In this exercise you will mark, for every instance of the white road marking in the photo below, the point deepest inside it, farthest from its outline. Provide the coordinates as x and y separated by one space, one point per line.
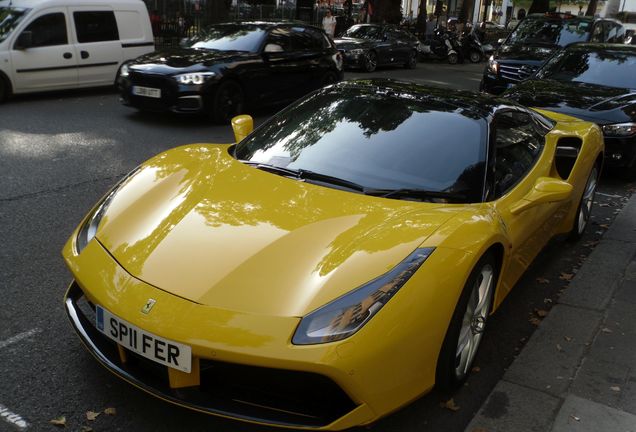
608 195
19 337
13 418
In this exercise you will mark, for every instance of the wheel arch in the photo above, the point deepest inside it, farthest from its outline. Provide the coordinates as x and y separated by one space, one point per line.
8 86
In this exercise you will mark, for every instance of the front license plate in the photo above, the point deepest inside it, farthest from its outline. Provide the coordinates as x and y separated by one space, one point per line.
147 91
169 353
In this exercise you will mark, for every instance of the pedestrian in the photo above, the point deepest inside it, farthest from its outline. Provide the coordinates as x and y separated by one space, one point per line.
329 24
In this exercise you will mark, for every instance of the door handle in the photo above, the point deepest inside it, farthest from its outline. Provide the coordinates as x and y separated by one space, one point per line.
67 55
84 54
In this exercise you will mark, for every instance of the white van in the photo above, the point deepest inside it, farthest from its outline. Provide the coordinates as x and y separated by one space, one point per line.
62 44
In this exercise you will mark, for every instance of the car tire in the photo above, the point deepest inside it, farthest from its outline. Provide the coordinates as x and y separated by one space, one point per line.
370 61
411 61
329 78
467 325
4 89
453 58
229 101
474 56
584 209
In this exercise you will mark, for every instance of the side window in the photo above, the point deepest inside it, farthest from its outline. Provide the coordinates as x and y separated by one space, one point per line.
95 26
48 30
518 143
302 40
281 36
610 32
598 35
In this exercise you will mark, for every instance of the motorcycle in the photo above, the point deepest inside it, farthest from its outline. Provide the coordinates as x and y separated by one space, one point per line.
443 45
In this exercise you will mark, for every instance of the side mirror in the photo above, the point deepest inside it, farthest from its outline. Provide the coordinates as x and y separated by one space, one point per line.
242 125
273 48
25 40
545 190
500 41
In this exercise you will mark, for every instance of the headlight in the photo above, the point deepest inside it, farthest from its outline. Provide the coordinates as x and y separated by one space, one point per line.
358 51
194 78
91 223
124 71
619 130
346 315
493 66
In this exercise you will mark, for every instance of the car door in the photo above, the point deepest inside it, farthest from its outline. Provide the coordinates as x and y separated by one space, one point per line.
516 147
308 48
49 63
97 45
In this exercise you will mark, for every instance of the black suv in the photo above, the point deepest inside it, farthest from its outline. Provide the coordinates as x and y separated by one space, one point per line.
538 36
231 67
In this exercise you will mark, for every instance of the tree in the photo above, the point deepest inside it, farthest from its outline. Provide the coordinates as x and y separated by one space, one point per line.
591 8
540 6
387 11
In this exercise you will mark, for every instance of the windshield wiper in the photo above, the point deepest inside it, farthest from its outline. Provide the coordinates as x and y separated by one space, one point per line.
416 193
273 168
325 178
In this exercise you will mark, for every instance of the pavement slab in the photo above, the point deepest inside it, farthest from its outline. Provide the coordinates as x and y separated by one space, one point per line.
581 415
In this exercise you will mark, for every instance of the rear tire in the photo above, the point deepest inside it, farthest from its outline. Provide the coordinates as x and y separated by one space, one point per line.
474 56
584 210
467 325
411 61
4 89
453 58
329 78
229 101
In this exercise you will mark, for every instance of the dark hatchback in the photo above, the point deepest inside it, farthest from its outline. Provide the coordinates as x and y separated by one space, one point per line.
594 82
231 67
367 46
536 38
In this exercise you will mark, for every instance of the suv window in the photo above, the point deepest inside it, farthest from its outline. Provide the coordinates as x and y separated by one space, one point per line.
49 30
95 26
551 31
304 40
518 141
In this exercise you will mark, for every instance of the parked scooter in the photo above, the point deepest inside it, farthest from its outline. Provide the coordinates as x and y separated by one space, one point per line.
471 47
443 46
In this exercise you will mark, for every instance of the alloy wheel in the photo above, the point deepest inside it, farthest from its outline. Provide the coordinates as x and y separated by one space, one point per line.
585 207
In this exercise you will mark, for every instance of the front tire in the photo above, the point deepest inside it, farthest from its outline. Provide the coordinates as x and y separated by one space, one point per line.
453 58
329 78
370 61
467 325
229 101
584 209
474 56
4 89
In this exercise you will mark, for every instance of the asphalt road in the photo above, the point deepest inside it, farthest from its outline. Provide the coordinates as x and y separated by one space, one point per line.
60 152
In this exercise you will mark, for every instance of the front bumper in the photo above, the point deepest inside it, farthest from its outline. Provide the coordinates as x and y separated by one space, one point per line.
353 61
177 98
494 84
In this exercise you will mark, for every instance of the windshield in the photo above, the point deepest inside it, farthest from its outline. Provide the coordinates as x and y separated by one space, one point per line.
607 68
364 32
546 31
9 19
377 139
229 37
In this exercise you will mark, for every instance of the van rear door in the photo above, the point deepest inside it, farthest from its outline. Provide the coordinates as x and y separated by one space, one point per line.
98 48
48 62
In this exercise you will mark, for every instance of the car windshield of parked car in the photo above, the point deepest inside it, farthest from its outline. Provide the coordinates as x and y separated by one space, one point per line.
364 32
10 17
550 32
610 68
229 38
378 139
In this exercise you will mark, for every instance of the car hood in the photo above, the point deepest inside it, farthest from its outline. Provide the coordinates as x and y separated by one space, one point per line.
184 58
347 43
525 53
197 223
595 103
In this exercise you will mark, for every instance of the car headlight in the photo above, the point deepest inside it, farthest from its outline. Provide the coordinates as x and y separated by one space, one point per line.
124 71
619 129
358 51
493 66
346 315
194 78
89 228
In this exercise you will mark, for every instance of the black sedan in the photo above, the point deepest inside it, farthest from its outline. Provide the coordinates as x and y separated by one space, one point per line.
595 82
229 68
367 46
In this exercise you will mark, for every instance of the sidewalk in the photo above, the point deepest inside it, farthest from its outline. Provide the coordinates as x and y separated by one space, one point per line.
578 371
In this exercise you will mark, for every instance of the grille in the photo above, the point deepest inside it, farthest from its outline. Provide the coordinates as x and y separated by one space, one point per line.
273 396
168 91
516 72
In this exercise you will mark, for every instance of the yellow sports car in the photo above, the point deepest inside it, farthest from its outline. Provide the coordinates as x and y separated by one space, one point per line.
337 262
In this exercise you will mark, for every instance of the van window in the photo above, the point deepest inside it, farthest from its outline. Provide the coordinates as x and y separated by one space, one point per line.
95 26
48 30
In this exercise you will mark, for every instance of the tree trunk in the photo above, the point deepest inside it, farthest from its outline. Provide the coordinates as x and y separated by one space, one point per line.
591 8
387 11
465 11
